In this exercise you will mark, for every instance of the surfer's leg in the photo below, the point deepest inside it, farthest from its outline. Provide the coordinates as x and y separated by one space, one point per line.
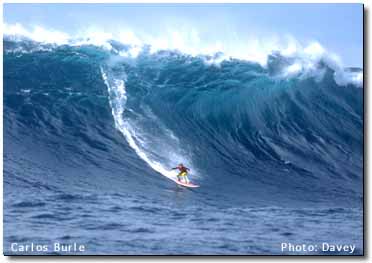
181 177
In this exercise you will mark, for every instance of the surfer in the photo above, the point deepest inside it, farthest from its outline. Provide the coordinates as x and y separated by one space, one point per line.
183 172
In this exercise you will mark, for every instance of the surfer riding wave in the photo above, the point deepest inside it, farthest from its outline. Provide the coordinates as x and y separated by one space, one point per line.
183 173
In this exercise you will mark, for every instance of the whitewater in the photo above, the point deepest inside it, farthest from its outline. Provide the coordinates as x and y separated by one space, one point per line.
92 126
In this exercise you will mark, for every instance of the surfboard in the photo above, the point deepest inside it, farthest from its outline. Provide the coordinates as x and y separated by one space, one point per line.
184 184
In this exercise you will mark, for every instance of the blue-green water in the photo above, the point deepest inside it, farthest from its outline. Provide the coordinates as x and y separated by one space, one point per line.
90 136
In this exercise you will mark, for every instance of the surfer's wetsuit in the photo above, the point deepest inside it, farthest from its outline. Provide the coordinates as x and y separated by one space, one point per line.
183 172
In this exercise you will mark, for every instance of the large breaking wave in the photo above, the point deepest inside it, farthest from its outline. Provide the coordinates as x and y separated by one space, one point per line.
290 128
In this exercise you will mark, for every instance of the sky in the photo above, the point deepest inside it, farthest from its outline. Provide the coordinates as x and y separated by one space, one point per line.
337 27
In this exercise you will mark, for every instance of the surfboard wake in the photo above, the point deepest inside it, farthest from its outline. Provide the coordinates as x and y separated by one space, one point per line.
157 154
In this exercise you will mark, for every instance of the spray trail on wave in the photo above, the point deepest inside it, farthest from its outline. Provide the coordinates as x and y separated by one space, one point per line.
159 147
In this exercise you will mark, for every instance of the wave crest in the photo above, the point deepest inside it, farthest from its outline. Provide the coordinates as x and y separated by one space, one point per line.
295 59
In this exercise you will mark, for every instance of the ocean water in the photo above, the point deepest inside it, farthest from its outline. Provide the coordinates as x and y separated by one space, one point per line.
90 137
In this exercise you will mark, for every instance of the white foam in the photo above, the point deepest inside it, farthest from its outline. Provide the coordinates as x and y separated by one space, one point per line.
344 78
189 41
138 140
38 34
306 62
92 36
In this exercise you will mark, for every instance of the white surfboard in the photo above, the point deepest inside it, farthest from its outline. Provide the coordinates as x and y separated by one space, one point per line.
191 185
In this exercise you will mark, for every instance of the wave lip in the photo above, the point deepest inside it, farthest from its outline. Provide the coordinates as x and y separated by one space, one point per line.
313 62
305 60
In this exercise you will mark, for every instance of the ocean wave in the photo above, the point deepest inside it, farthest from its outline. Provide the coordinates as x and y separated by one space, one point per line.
238 125
300 60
